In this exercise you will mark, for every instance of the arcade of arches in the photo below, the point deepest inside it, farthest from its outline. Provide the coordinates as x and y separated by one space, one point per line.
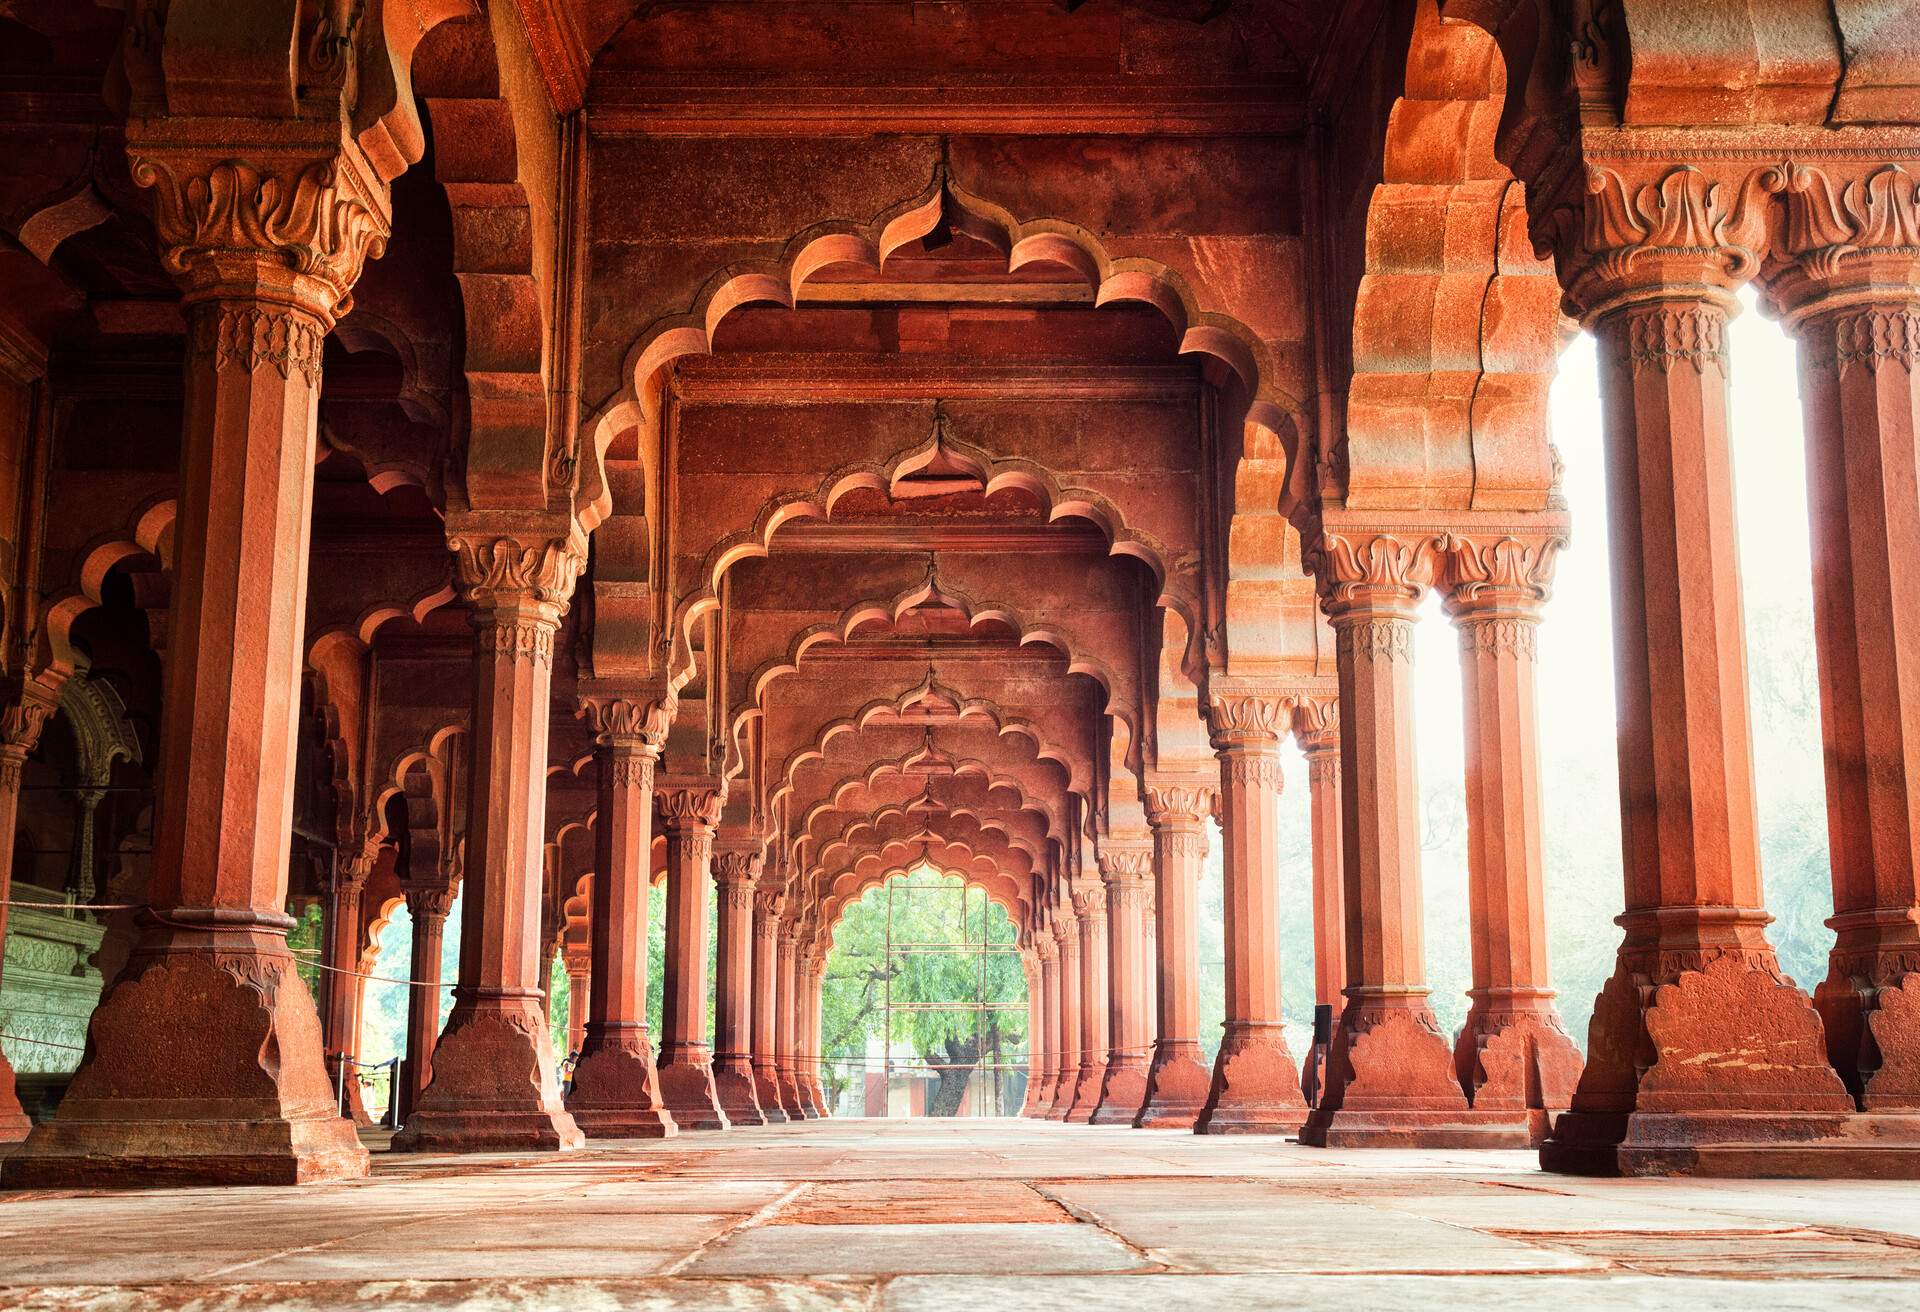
545 449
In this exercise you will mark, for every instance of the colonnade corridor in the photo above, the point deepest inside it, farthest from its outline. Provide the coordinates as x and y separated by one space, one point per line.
928 1215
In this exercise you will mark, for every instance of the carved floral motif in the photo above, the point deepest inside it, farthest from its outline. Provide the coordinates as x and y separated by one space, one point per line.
1682 213
1126 863
1362 569
248 337
1247 719
499 569
684 808
618 718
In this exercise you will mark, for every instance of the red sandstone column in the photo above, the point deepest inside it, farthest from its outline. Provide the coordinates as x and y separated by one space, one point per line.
493 1086
1316 727
1095 1003
1178 1079
1513 1054
1256 1087
1858 322
735 870
787 1016
811 982
428 905
1127 873
1046 1077
1390 1076
689 811
204 1057
768 903
1038 1058
579 985
341 980
24 715
1066 933
616 1089
1667 1085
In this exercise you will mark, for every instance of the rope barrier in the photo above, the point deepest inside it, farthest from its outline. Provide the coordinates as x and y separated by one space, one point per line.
74 906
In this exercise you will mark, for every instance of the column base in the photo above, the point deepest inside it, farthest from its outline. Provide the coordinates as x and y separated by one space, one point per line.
1177 1085
1122 1093
766 1091
1391 1082
200 1069
1873 1034
355 1103
493 1089
1752 1145
1705 1105
733 1089
790 1098
1086 1094
1520 1064
1063 1087
1039 1098
15 1124
686 1088
1256 1085
816 1099
616 1093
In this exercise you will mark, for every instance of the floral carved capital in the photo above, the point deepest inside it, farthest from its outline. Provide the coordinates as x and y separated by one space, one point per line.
1172 805
320 220
1248 720
627 720
500 570
737 867
1316 722
1364 570
1485 572
690 808
1681 224
1126 863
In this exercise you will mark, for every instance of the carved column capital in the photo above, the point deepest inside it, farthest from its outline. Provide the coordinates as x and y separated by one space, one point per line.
429 901
293 225
1119 865
1090 907
737 866
1651 227
1500 572
533 573
1316 723
629 719
1247 719
1364 571
1850 238
689 808
769 905
1066 935
1179 804
28 706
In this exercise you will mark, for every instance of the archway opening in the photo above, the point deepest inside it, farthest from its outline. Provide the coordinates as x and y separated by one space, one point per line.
924 1005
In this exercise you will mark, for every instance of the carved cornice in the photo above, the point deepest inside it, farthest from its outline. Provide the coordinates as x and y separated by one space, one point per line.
219 219
498 571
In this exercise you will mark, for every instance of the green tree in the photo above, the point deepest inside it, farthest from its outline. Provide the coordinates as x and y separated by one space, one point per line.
930 964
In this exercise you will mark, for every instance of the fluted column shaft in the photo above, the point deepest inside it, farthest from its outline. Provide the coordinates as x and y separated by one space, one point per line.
736 868
1067 1079
1256 1087
1178 1079
1512 1052
1858 325
689 812
767 907
1696 975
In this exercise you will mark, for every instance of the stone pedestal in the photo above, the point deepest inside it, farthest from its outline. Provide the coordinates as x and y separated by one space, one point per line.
736 869
1256 1086
690 811
1177 1078
1123 1086
1669 1085
1513 1054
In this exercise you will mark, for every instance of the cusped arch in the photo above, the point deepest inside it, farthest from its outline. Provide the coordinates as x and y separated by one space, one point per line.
1456 320
149 533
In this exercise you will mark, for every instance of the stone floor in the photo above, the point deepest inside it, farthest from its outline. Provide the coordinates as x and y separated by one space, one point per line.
972 1215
